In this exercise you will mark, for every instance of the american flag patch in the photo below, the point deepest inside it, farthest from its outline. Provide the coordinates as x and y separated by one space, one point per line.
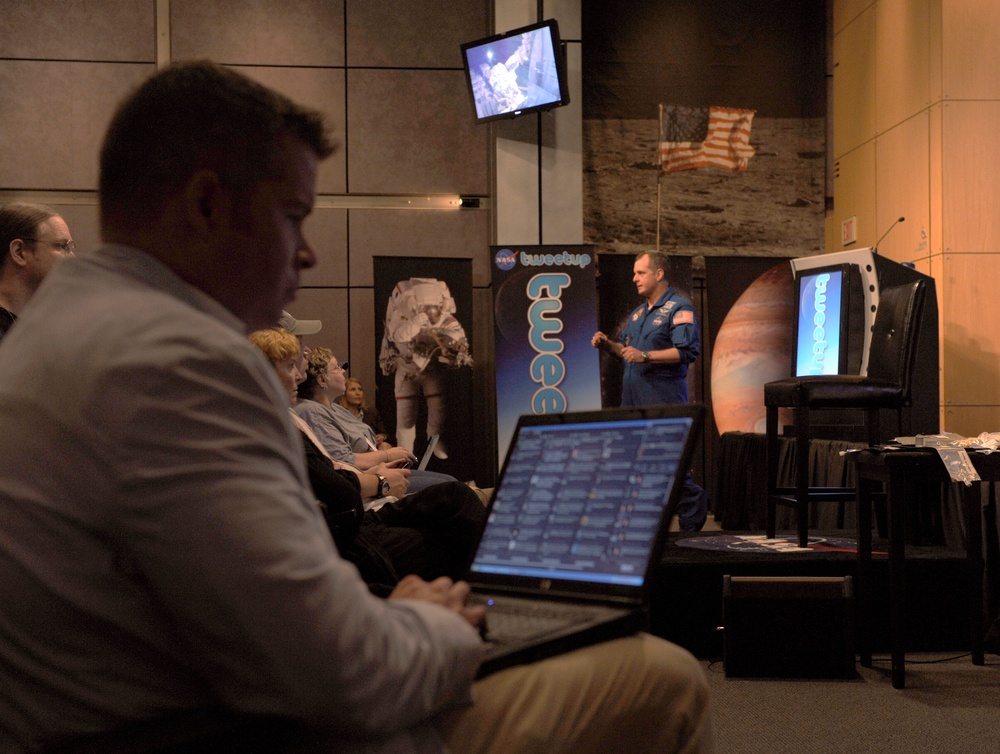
684 317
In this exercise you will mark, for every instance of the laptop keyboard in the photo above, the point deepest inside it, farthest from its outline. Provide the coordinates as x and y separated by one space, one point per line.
510 619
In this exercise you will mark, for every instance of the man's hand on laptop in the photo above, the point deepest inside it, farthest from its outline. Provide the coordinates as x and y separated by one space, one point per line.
442 591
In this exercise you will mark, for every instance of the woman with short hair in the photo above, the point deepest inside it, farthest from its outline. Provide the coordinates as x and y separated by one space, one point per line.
345 436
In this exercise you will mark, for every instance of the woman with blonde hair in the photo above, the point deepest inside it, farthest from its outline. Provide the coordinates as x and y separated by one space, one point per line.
353 400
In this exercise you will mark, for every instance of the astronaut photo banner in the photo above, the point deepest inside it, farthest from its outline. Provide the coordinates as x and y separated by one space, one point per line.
545 313
423 328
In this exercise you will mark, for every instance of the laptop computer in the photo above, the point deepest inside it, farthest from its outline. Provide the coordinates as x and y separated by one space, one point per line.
578 519
432 442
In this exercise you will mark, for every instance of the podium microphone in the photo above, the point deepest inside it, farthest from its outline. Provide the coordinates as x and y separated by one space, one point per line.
900 220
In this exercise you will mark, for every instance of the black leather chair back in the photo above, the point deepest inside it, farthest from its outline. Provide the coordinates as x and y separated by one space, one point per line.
893 350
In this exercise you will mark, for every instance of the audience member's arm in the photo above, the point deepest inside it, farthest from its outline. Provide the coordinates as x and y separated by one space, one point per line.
386 456
338 493
223 528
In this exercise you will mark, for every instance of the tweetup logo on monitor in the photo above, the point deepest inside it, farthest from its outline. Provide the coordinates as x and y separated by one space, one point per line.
506 259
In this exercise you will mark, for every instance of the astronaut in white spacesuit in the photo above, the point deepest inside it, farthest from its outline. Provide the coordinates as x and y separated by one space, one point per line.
422 339
502 77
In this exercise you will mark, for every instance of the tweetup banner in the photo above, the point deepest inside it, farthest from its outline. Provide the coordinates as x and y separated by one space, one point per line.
545 310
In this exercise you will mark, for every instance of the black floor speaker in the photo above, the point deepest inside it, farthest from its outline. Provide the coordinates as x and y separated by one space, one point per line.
788 626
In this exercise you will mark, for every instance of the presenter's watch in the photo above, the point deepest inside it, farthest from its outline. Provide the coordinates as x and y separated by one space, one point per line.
645 357
383 485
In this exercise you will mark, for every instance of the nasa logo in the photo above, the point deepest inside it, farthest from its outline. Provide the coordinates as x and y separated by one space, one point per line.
506 259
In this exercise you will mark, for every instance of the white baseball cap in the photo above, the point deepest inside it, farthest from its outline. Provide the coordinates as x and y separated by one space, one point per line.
299 326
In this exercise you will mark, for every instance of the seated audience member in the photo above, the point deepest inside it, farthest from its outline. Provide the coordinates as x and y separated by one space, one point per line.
163 562
33 239
344 436
353 400
431 533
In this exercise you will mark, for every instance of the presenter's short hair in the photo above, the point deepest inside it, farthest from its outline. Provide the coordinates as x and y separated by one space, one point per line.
658 260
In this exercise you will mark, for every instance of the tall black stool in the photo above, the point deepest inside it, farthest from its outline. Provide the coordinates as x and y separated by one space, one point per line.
891 363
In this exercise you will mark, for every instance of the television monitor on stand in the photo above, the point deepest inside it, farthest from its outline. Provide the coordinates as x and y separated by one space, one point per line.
830 321
870 273
862 295
515 73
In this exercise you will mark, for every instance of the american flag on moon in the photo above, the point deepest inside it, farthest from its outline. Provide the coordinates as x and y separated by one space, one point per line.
698 137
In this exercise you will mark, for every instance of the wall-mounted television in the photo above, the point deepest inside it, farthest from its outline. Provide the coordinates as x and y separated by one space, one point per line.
830 321
518 72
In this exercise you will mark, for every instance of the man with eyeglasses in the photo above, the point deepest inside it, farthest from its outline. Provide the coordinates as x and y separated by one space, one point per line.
34 238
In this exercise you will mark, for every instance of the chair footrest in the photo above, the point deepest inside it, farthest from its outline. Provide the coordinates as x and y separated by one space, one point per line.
847 493
812 498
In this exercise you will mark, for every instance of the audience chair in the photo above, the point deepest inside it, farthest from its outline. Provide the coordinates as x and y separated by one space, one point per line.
891 363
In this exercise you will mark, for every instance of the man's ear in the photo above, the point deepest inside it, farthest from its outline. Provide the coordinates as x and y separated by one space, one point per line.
208 204
16 252
660 274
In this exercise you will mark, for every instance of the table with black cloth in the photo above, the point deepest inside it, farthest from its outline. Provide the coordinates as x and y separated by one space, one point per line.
740 493
739 490
739 504
902 474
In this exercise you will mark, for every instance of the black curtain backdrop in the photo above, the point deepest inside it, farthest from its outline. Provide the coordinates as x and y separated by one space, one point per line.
768 55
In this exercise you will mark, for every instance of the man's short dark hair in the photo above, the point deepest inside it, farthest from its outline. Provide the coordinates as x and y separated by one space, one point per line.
20 220
658 260
194 116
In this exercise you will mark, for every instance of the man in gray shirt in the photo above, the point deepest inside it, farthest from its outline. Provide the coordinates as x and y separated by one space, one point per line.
161 557
33 239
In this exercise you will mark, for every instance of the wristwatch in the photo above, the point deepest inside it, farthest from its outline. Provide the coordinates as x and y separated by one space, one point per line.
383 485
645 356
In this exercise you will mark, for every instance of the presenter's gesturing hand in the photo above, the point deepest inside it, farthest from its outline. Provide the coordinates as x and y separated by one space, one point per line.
602 341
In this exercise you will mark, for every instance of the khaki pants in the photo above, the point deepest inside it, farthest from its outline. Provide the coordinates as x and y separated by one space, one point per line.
638 694
635 694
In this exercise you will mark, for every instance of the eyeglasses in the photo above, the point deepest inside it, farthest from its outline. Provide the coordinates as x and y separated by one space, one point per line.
333 366
66 247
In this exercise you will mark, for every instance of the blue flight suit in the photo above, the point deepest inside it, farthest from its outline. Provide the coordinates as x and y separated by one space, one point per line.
671 323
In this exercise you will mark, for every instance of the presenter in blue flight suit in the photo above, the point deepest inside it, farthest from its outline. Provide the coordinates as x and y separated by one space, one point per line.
658 343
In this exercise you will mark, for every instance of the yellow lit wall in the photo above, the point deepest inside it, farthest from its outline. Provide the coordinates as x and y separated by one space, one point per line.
916 134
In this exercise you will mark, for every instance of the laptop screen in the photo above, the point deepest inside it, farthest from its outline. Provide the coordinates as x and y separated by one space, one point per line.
583 501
